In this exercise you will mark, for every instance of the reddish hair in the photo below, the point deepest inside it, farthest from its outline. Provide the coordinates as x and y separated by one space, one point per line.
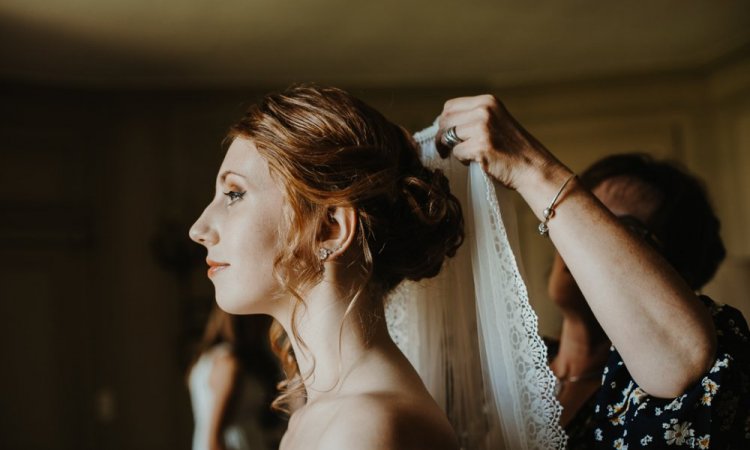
327 148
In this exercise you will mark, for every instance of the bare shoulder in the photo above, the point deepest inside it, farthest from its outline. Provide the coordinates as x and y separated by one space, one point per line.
383 421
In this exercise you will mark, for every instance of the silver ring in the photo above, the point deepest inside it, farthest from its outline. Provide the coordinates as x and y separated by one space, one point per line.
450 138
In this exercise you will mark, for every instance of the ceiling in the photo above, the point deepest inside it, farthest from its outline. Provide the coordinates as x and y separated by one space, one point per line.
230 43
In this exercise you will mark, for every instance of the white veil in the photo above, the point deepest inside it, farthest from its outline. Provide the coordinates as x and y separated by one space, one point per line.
471 333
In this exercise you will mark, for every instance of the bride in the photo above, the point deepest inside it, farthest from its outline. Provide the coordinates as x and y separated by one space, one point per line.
322 208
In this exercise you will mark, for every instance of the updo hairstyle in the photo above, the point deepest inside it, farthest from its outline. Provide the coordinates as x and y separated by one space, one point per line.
327 148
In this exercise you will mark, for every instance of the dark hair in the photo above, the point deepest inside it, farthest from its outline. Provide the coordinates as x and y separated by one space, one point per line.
327 148
684 223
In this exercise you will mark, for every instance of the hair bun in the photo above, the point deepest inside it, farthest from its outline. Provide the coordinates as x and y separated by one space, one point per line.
428 227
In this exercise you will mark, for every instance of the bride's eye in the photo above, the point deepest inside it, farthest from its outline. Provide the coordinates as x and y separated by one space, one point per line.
234 196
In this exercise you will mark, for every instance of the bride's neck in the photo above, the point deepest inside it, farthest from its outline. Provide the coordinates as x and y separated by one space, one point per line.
329 342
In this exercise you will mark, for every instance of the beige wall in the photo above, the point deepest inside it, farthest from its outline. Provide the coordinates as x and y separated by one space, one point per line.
97 327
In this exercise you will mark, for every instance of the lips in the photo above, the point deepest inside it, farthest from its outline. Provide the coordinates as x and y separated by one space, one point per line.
215 266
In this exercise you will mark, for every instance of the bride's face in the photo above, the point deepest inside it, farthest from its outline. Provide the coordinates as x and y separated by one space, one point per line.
240 229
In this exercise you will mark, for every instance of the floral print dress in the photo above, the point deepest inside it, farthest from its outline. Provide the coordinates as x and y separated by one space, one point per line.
713 413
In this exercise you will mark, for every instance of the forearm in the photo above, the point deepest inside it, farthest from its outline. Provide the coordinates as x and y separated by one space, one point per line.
663 333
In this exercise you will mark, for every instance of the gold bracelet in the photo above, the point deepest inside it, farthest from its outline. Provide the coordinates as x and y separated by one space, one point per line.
550 210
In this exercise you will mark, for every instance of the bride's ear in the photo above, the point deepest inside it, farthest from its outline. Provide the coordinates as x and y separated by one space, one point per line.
337 232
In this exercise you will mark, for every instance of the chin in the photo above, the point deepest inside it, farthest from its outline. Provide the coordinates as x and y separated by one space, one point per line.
243 303
234 305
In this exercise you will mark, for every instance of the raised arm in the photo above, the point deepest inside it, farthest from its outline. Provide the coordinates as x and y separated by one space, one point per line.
662 331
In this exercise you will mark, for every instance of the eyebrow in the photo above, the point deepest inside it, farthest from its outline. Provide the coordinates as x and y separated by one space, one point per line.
226 173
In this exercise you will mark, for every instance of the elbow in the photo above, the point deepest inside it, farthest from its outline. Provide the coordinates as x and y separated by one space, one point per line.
697 357
700 354
695 361
696 366
704 356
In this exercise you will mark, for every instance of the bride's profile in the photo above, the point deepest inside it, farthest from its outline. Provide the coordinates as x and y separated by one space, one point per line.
322 207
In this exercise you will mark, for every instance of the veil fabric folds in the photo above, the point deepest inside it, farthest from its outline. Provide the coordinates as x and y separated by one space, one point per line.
471 333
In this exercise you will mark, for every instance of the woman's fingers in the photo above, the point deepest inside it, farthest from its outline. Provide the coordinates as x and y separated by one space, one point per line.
464 132
476 143
468 124
488 134
483 113
465 116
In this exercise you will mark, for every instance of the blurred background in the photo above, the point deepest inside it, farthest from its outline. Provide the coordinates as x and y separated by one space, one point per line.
112 115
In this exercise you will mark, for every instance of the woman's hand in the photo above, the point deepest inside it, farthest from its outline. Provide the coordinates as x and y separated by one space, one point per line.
494 139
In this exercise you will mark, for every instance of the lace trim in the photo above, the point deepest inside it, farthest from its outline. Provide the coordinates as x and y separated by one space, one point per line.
542 419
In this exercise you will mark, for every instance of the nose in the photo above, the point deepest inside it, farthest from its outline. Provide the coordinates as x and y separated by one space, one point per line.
202 232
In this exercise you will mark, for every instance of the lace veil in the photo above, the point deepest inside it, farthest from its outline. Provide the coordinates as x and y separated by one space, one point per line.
471 333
